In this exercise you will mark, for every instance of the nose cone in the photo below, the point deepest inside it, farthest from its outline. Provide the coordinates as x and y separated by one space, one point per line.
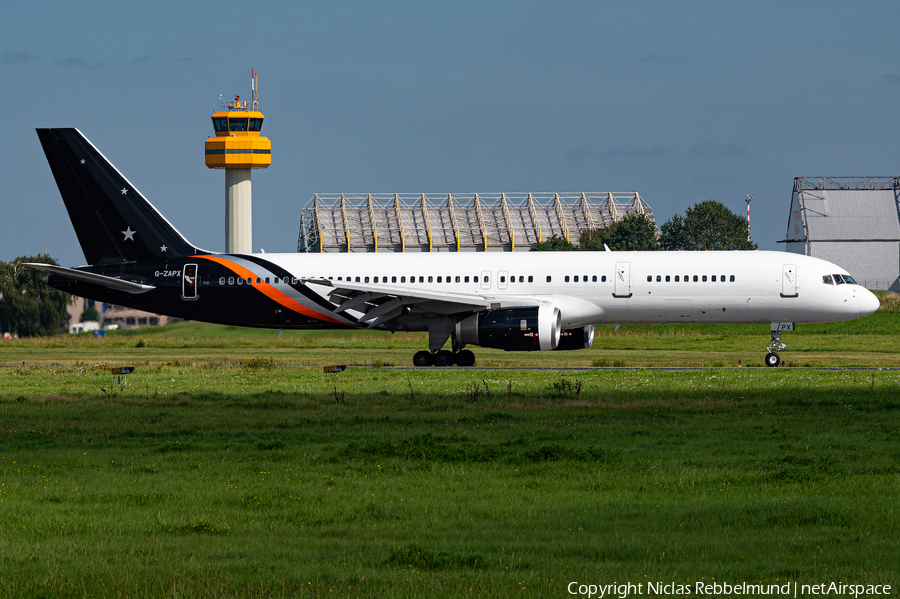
868 303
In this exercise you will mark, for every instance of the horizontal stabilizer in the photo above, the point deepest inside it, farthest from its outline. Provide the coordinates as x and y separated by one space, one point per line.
94 278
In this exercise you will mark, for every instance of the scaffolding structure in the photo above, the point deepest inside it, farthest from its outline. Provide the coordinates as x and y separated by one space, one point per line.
464 222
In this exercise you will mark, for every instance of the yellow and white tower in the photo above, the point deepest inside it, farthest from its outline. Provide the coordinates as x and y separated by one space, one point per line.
238 147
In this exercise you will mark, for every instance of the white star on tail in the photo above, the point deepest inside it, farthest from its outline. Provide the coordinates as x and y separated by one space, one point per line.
129 234
124 191
163 248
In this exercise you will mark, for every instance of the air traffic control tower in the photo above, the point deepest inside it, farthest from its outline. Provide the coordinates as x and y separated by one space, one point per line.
238 147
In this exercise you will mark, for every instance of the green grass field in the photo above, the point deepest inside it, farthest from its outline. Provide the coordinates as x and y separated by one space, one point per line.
871 341
219 471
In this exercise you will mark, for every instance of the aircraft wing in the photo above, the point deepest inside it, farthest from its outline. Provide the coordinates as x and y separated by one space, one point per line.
382 303
93 278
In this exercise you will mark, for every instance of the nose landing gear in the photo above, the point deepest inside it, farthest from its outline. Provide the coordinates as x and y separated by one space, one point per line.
772 358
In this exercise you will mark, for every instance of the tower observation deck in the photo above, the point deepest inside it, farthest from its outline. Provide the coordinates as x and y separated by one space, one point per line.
238 147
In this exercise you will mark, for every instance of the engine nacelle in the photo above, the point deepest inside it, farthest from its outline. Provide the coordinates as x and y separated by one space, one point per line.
576 338
512 329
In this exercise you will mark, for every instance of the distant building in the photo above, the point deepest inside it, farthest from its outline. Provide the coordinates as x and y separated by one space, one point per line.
851 221
110 314
464 222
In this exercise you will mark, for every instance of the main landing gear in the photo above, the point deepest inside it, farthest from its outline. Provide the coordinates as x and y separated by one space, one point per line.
444 358
772 358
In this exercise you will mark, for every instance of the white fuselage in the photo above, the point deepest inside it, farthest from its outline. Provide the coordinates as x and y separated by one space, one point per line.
613 287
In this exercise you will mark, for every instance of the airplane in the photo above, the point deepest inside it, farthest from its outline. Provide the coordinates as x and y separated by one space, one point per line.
526 301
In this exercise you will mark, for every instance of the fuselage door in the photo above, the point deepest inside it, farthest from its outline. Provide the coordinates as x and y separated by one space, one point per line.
622 279
190 280
502 276
485 279
789 281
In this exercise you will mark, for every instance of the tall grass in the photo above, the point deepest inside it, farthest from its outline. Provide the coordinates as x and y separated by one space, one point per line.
254 482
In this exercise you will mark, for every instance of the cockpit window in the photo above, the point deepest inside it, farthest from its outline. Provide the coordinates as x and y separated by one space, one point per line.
849 280
828 280
838 280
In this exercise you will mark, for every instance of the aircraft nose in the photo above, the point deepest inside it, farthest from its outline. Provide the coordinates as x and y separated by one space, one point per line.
868 303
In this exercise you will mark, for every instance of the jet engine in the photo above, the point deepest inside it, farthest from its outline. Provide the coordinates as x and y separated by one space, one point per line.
581 338
512 329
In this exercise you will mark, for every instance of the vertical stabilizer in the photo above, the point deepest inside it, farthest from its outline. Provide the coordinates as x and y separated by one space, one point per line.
113 221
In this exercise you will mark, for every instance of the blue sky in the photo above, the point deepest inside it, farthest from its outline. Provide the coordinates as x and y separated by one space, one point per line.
680 101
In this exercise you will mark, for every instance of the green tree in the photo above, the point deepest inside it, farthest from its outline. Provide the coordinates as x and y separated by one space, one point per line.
707 225
634 233
554 244
27 306
90 314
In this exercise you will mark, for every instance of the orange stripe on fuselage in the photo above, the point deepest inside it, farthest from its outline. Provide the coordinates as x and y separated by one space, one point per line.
270 291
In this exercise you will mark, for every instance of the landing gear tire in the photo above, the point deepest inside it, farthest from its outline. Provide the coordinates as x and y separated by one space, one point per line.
423 358
465 358
444 358
772 359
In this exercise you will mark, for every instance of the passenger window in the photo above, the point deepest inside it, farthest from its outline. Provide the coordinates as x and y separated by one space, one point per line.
267 280
576 278
487 279
294 280
240 280
439 280
567 278
530 279
521 279
649 278
714 278
467 278
704 278
367 279
548 278
732 278
231 280
476 279
222 281
828 280
667 279
393 279
695 278
603 279
431 279
422 279
677 279
250 280
457 278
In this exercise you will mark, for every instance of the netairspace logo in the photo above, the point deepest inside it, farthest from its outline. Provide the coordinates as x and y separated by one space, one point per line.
623 590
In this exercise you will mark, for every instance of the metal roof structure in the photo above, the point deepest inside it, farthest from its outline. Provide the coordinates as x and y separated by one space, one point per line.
851 221
464 222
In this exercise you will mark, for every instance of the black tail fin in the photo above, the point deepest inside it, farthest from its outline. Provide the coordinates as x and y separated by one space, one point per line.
113 221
